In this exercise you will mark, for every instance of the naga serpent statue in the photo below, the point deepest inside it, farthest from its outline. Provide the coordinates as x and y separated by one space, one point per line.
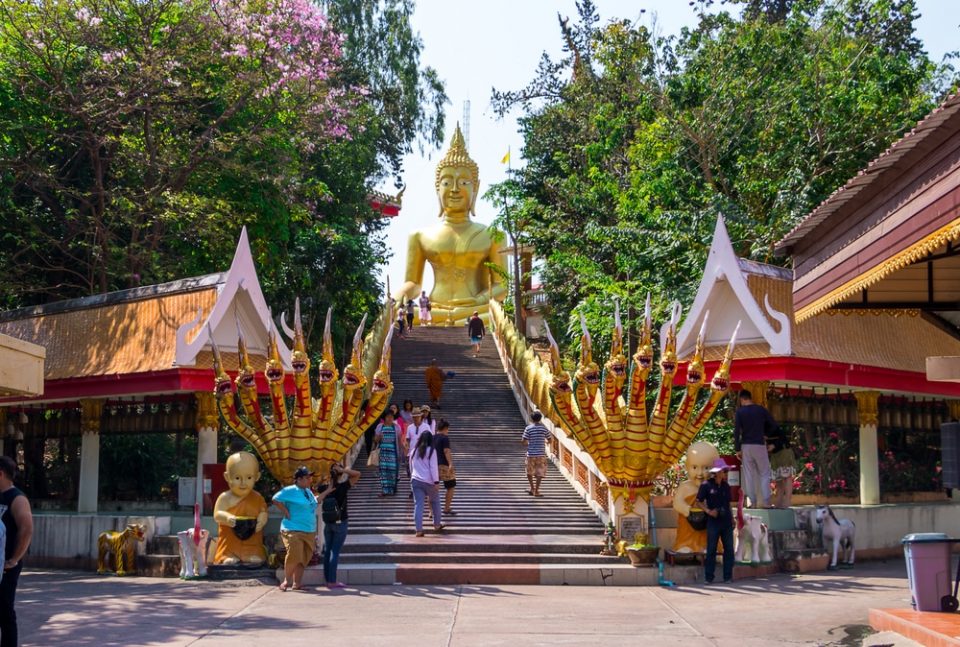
318 432
630 447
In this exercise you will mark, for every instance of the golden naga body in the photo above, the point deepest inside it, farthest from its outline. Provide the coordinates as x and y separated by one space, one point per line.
121 546
630 447
318 432
458 249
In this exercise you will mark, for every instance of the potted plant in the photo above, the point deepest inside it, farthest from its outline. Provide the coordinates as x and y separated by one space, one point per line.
642 553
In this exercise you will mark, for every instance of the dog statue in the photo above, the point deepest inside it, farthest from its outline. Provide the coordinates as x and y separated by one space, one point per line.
121 545
836 533
193 549
752 532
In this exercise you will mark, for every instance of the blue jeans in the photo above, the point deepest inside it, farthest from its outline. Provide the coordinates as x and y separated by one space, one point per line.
421 491
719 530
334 534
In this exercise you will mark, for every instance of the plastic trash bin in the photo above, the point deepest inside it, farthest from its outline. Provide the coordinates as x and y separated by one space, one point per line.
928 568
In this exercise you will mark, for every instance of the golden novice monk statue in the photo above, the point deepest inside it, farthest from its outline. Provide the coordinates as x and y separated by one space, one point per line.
457 249
700 457
241 514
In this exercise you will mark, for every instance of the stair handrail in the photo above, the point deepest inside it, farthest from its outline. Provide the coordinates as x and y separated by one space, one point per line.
526 371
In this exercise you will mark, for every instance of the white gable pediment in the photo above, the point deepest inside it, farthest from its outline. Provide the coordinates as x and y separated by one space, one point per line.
724 293
240 299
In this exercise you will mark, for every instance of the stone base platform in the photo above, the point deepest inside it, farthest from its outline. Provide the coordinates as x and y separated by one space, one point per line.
925 627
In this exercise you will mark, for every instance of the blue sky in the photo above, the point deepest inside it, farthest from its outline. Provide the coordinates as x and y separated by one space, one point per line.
477 46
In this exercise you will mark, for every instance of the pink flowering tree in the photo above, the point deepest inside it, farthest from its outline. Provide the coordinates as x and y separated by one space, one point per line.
128 124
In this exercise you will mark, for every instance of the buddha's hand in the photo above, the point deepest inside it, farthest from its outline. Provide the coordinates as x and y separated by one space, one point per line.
261 521
231 520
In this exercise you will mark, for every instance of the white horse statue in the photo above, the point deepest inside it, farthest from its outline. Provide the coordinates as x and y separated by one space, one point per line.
193 549
836 533
752 532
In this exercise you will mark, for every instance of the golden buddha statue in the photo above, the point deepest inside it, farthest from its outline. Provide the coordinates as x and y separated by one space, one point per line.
457 249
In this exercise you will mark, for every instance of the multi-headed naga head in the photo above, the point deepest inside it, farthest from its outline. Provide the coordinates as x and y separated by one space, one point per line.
246 376
587 370
644 355
381 379
721 379
299 361
221 385
695 366
617 364
274 370
560 383
353 373
668 362
327 373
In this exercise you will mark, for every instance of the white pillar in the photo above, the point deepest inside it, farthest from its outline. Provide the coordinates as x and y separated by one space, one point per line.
91 412
89 472
207 421
869 454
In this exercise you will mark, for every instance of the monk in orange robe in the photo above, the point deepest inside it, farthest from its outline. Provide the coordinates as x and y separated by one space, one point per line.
434 378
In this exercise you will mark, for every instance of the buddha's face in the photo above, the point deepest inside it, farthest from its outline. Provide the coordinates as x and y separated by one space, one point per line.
243 472
700 458
457 189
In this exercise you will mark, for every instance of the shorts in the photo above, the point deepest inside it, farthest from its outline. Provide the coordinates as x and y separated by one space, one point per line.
299 545
476 340
536 466
449 477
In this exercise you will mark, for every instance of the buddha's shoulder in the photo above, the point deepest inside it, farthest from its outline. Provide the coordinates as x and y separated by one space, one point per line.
443 230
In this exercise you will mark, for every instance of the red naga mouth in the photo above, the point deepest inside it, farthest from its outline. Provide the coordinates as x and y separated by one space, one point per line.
563 387
247 380
645 361
592 378
274 374
620 370
349 379
326 375
299 366
720 383
224 387
379 385
694 377
668 367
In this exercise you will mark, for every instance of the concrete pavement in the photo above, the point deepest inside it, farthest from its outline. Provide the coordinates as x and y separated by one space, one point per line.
82 609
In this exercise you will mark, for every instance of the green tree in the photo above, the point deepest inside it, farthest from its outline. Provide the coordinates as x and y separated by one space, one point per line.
636 143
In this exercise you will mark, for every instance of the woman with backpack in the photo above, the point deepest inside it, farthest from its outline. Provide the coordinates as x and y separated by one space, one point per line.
333 509
424 479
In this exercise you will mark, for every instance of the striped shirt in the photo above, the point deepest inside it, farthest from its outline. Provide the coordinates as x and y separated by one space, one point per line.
536 436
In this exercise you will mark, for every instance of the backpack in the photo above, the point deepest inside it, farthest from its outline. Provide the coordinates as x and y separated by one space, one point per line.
330 510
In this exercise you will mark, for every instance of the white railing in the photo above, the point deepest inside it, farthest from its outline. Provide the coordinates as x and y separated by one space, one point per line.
572 462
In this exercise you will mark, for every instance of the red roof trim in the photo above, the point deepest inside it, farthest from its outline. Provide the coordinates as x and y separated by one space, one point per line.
827 373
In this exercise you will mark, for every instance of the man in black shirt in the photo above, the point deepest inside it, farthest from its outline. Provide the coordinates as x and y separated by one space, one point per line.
752 425
714 497
18 521
476 330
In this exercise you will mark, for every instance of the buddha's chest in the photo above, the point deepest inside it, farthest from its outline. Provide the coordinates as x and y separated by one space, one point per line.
448 244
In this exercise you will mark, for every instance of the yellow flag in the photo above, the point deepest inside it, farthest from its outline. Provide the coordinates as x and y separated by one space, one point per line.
506 158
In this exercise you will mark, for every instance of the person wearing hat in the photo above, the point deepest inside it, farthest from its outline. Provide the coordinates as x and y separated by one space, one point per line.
412 434
476 331
714 498
298 528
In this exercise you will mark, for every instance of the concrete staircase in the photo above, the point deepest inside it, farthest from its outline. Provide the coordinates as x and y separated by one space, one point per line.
500 534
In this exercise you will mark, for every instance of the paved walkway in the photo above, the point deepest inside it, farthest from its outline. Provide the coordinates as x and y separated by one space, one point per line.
70 608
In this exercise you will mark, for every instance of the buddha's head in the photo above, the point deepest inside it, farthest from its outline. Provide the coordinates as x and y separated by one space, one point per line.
243 471
457 179
700 457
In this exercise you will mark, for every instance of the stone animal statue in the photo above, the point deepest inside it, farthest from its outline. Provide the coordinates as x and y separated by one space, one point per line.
121 545
193 549
836 533
752 532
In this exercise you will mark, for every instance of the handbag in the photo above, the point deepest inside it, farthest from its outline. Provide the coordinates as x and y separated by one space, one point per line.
374 459
697 519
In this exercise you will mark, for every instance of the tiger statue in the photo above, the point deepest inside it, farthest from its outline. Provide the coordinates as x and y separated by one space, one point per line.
122 546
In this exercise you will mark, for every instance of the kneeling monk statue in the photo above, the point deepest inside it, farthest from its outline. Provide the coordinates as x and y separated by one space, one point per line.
241 514
457 249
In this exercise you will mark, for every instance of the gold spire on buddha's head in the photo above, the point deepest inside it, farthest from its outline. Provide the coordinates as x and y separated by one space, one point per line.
457 156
